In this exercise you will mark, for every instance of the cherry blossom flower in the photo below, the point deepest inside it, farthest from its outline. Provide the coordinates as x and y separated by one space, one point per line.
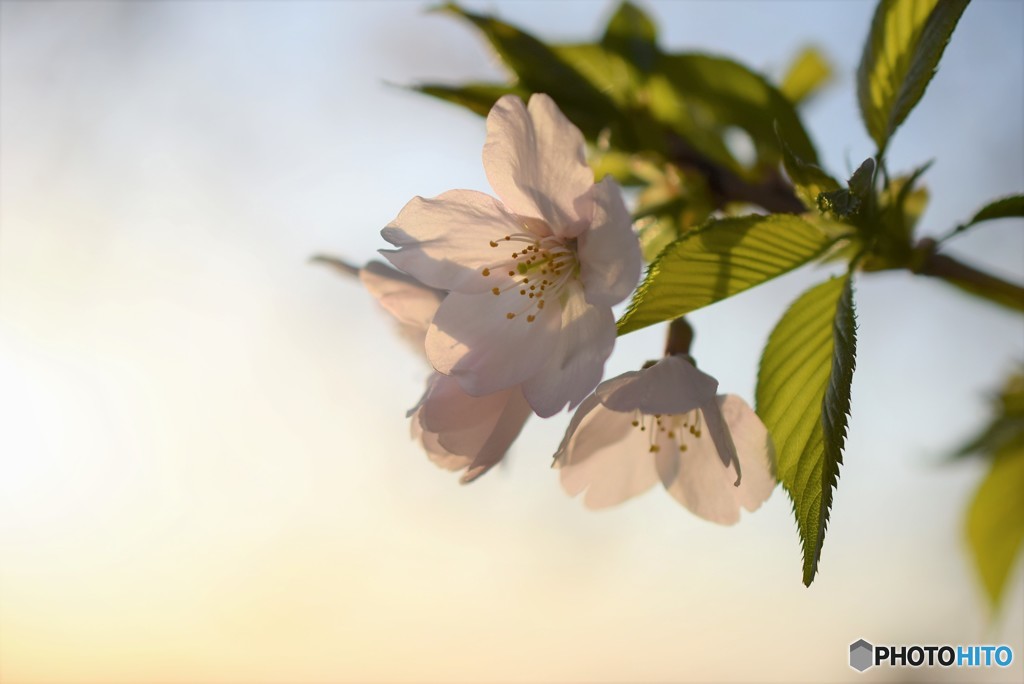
458 431
665 424
531 277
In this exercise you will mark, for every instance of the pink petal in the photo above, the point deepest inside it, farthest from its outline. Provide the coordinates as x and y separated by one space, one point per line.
472 339
671 386
534 159
459 431
707 487
755 450
445 242
718 431
404 297
609 251
435 452
506 430
462 422
702 484
574 365
604 455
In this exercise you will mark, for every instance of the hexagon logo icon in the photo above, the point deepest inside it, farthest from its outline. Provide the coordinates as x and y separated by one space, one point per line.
862 655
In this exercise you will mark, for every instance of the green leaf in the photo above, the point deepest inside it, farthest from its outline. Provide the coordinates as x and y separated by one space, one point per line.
1007 207
860 182
632 34
718 260
803 396
806 75
847 202
1007 425
900 57
476 97
809 180
995 520
539 69
995 517
902 204
717 93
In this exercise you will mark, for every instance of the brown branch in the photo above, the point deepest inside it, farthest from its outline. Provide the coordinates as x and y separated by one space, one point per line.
927 261
773 194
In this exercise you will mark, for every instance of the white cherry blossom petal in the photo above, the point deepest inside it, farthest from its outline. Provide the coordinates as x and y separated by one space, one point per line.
411 302
610 259
755 451
473 339
506 430
599 457
671 386
526 306
703 485
463 432
446 242
718 431
576 362
437 454
695 453
463 422
534 160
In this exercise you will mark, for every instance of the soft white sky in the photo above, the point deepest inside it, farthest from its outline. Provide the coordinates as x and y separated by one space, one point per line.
204 467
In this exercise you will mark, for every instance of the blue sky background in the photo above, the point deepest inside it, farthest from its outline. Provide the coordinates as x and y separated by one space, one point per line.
205 473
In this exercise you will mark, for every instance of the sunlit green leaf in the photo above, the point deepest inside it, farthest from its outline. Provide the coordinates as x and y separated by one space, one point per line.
808 73
995 519
722 258
803 396
900 57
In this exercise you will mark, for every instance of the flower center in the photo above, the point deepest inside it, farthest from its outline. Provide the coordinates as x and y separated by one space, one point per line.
669 431
539 268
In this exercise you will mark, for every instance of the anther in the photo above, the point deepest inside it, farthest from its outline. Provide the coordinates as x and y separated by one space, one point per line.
510 316
496 291
531 318
486 272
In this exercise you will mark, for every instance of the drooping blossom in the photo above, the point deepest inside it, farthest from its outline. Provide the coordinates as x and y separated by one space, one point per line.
531 277
458 431
665 424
